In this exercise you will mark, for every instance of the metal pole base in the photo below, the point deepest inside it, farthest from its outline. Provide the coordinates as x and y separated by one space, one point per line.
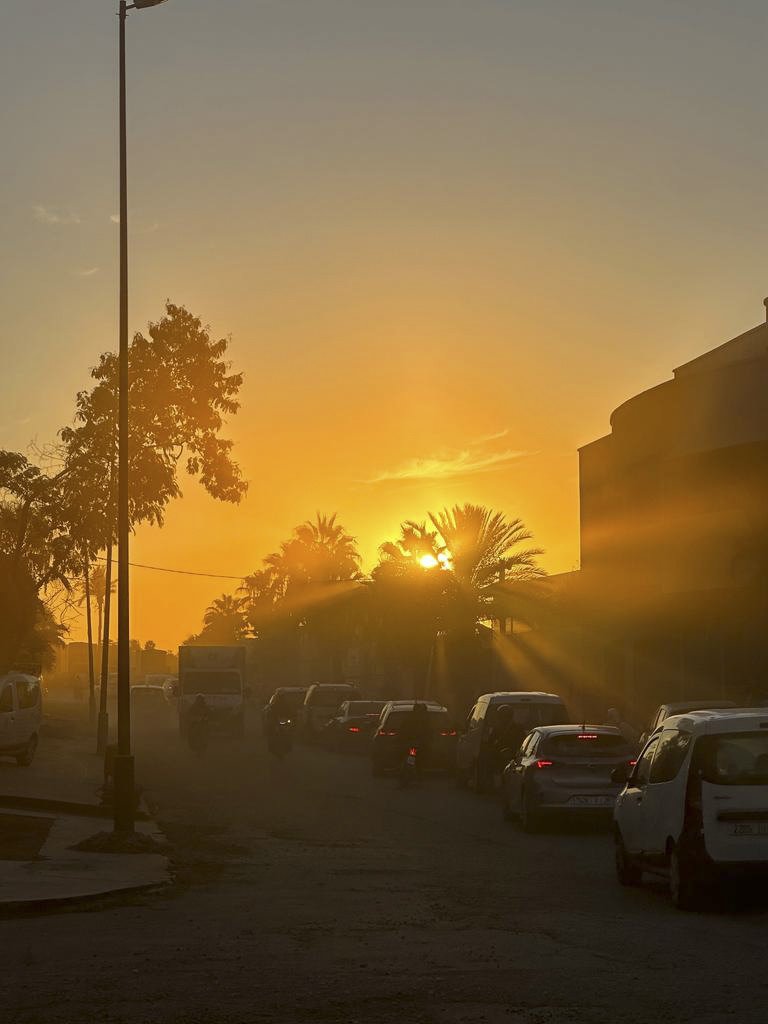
124 793
102 732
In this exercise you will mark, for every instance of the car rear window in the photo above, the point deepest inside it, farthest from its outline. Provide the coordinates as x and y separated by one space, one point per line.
365 707
397 720
586 744
330 696
734 759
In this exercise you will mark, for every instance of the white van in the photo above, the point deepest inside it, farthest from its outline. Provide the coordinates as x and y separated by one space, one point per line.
21 713
695 805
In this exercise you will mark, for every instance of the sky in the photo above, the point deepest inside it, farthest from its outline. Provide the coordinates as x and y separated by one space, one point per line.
446 237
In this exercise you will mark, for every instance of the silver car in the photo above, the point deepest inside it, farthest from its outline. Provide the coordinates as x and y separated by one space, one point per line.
563 769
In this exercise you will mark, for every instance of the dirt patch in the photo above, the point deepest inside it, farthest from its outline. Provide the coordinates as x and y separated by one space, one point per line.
22 836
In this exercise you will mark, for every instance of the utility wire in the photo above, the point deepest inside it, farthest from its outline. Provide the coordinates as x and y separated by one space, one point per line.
180 572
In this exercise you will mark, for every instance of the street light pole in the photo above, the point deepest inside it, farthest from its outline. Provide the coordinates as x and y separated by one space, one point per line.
123 765
124 788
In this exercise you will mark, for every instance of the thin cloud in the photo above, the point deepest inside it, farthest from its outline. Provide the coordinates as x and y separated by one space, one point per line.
487 438
453 464
88 272
50 215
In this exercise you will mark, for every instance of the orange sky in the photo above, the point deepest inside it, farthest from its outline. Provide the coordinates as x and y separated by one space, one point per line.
447 240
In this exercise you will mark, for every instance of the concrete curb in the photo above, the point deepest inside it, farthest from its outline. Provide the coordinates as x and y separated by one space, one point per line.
45 805
51 904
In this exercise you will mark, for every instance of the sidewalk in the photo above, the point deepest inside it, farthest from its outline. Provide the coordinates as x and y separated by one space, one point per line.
48 808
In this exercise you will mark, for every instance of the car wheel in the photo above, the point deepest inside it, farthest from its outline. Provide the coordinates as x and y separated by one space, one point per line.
25 758
530 818
627 872
684 882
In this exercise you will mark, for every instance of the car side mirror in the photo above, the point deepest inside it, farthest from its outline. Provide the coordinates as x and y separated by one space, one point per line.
620 774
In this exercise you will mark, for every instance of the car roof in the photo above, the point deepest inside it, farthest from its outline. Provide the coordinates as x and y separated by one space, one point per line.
291 689
719 720
521 697
697 705
402 705
575 730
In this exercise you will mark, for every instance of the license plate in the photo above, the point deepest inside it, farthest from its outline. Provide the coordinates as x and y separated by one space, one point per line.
591 801
750 828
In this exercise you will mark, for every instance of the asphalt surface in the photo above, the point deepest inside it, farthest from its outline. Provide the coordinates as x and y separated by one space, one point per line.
310 891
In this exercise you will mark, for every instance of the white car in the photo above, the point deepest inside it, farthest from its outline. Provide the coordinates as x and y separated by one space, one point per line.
695 806
21 714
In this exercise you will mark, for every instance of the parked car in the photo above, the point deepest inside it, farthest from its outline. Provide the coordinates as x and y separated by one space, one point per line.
291 697
695 806
321 703
21 715
564 769
387 740
478 748
680 707
353 726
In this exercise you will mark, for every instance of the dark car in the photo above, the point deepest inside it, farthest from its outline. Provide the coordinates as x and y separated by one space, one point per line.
479 750
681 707
392 733
351 729
564 769
291 697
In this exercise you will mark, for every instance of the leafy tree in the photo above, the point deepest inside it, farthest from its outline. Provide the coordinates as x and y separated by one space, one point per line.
180 392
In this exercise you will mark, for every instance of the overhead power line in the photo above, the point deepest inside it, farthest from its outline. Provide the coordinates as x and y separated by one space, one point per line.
181 572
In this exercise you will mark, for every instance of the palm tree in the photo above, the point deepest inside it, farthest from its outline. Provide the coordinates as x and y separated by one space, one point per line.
484 546
320 551
224 620
415 543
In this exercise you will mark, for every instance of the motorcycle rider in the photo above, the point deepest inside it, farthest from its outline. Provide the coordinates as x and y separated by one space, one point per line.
277 712
416 733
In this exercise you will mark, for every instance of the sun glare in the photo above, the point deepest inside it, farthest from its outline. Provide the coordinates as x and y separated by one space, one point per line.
428 561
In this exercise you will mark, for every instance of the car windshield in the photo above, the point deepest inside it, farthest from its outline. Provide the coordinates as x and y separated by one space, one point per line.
211 682
734 759
330 696
586 744
358 708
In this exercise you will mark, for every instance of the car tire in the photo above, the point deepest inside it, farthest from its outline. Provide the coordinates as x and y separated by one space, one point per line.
684 882
530 818
627 872
27 756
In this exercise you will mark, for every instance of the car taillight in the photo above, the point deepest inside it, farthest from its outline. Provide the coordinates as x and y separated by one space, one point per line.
631 764
448 732
544 764
353 728
413 752
387 732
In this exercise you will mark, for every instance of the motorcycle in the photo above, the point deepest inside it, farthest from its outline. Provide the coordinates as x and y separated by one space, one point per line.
280 738
409 768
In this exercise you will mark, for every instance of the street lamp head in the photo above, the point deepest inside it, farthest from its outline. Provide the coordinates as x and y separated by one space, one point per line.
139 5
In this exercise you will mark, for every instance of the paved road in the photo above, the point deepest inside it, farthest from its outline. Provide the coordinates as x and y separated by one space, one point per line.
312 892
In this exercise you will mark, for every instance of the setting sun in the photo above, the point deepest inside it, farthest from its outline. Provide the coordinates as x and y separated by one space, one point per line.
428 561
